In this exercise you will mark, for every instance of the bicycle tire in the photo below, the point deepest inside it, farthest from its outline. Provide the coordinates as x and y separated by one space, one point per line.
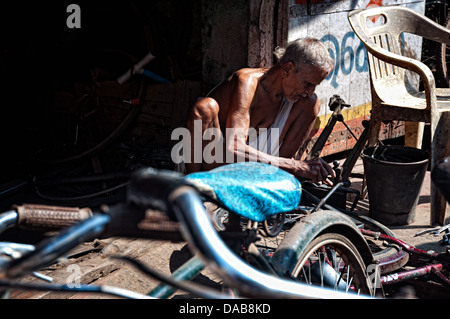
371 224
100 143
442 53
273 226
368 223
340 246
309 232
112 137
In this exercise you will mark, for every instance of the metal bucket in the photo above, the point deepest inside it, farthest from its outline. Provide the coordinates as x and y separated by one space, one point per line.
394 176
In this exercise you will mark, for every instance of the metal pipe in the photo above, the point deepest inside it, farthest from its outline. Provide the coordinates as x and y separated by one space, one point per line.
330 193
405 246
8 219
15 250
187 271
137 68
421 271
47 251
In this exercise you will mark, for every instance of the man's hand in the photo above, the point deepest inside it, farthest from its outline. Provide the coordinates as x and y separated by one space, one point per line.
316 170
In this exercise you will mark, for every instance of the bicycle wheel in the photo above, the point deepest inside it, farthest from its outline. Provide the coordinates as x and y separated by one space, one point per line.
442 52
331 260
92 127
272 226
326 248
379 248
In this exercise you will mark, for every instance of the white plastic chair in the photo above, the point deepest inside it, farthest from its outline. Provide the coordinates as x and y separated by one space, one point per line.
393 96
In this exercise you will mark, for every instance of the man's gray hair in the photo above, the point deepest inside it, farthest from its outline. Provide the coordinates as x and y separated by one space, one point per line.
305 53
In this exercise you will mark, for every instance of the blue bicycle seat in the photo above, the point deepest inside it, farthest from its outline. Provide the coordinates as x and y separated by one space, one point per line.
252 190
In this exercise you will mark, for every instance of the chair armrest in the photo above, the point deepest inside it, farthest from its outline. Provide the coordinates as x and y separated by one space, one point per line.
400 19
357 19
411 64
427 28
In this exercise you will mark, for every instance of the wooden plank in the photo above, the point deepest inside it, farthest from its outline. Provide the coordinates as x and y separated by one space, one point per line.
268 28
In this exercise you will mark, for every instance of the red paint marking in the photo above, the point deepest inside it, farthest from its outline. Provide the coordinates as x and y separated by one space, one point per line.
374 3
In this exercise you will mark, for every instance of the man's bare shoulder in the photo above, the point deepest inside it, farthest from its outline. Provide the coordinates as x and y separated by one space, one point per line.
311 103
246 75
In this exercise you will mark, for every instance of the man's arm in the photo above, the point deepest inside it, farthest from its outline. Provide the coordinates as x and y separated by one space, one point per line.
238 121
297 135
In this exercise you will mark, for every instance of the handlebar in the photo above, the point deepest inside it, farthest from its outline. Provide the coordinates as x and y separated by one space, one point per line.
137 68
47 251
42 217
150 192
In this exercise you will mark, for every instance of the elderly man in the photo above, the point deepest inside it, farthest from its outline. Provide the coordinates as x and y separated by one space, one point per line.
277 105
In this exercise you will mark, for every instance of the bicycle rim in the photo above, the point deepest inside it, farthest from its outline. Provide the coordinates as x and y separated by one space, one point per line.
331 260
442 52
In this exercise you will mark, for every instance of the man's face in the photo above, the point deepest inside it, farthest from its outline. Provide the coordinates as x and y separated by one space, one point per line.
302 84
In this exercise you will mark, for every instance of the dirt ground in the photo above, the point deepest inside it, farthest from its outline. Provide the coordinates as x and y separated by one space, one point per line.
420 289
421 221
89 263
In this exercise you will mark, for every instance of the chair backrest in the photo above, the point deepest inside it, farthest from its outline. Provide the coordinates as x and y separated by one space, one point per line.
387 36
379 68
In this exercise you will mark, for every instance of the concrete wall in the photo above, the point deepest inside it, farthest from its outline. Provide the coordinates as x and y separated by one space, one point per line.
327 20
224 39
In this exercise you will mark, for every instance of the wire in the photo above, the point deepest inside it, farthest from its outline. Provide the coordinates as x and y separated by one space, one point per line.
64 199
109 290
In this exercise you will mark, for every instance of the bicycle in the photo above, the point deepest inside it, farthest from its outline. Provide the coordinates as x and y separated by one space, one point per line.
260 254
169 193
305 245
390 253
254 256
336 104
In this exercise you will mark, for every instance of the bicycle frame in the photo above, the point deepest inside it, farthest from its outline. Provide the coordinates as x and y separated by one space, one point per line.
415 253
388 266
336 104
196 226
194 266
231 267
191 213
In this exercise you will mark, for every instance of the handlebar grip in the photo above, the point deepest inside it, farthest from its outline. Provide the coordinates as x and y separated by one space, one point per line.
47 218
